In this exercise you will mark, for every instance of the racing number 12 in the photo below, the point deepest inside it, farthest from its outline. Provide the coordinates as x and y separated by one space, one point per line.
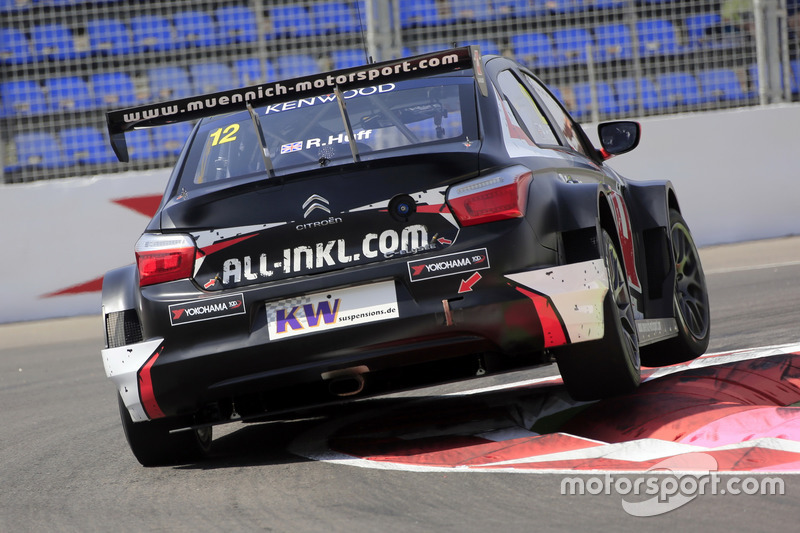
229 135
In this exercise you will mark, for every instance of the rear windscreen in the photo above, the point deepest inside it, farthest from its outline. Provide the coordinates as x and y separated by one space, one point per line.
310 132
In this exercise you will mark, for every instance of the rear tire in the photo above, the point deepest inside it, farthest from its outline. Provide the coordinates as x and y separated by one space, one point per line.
689 302
153 445
609 366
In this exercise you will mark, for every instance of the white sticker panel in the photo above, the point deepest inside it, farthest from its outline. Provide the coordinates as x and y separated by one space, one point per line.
323 311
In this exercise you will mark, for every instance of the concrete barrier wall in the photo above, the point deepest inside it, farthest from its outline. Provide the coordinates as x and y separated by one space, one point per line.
736 173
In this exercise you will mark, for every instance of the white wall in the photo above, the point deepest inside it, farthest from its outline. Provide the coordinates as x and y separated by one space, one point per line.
736 173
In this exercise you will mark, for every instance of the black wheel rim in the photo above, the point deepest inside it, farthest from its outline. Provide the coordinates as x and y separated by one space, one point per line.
691 298
618 285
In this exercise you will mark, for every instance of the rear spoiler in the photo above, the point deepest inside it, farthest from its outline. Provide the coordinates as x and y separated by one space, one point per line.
193 108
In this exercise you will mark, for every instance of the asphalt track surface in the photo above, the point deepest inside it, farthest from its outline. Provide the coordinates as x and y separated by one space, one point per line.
65 466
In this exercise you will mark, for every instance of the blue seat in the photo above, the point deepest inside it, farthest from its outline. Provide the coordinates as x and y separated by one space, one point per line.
534 50
415 13
169 83
291 21
628 95
657 37
38 149
85 146
169 140
237 24
54 41
570 45
211 78
517 8
795 67
252 70
294 66
613 42
348 57
152 33
109 36
678 88
114 89
22 97
487 46
196 28
68 94
606 100
14 47
13 6
334 17
140 146
475 10
704 30
565 6
721 85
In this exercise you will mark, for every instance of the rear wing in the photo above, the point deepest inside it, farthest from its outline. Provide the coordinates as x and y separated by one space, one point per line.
162 113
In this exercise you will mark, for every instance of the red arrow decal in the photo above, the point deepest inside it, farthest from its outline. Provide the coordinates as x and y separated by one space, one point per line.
417 270
466 286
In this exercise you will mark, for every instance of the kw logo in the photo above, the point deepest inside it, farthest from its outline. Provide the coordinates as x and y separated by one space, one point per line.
315 201
305 316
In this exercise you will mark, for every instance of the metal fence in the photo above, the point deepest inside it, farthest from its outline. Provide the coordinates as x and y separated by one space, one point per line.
66 62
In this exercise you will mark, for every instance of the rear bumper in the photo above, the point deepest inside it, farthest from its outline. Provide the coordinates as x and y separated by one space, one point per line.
507 308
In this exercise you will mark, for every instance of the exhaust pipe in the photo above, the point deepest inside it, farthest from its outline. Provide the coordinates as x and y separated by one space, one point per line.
347 381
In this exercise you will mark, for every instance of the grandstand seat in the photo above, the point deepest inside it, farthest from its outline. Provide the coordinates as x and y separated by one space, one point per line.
14 47
169 83
628 95
114 89
516 8
334 17
487 46
85 146
13 6
169 140
534 50
570 45
348 57
252 70
606 101
22 97
152 33
140 146
420 13
109 36
68 94
237 24
704 30
211 78
293 66
657 37
38 149
608 4
721 85
613 42
678 88
291 21
795 75
196 28
55 41
475 10
565 6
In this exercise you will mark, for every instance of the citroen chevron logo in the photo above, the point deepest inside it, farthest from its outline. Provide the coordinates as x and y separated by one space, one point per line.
315 201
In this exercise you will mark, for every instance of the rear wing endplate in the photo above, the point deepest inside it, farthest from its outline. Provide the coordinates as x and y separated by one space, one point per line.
193 108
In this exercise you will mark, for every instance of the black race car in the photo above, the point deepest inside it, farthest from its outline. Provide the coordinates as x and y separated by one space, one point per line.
395 225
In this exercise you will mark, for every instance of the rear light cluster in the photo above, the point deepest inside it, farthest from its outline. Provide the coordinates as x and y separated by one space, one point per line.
163 258
499 196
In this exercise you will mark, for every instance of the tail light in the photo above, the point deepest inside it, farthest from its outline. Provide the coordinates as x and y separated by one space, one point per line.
499 196
163 258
